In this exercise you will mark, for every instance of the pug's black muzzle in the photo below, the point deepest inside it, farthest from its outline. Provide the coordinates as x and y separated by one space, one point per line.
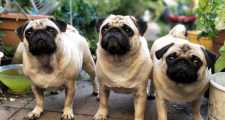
42 43
182 70
115 41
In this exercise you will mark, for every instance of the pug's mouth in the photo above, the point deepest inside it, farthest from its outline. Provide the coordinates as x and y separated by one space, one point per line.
181 75
182 69
41 43
115 41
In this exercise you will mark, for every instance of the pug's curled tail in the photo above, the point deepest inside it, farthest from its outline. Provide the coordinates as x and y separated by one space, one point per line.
178 31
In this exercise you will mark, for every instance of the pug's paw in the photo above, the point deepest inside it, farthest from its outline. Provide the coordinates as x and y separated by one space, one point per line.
95 93
67 114
98 97
33 115
67 117
100 117
150 97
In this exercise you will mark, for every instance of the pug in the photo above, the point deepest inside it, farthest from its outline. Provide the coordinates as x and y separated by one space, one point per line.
123 61
181 71
53 57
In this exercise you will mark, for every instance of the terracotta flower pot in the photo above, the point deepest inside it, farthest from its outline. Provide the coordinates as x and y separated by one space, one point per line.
9 24
218 42
204 41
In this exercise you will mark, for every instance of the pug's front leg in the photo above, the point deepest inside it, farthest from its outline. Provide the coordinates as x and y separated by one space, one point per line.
139 105
39 95
161 106
102 110
70 93
196 107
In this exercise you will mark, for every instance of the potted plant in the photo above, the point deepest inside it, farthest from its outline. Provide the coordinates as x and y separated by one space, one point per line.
211 21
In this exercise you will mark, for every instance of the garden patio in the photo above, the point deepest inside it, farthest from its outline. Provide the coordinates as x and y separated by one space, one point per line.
161 16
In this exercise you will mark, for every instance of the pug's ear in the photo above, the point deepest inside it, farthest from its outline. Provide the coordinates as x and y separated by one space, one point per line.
210 57
61 24
140 24
99 22
159 53
20 30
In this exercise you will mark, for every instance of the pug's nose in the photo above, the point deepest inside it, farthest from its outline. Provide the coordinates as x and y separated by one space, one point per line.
115 31
182 62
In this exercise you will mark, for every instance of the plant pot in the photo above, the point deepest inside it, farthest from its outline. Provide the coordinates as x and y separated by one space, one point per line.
218 42
204 41
216 106
9 24
187 21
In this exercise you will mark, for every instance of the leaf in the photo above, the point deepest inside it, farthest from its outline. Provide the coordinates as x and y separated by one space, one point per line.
199 36
220 63
202 34
203 2
222 49
205 8
212 16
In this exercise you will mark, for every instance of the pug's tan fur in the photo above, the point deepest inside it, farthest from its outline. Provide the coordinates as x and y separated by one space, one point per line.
166 89
126 73
71 56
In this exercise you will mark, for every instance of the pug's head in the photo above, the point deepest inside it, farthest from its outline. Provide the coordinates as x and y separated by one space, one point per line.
120 34
41 37
185 62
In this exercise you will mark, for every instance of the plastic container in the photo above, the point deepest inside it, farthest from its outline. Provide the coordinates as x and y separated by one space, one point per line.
204 41
216 108
13 77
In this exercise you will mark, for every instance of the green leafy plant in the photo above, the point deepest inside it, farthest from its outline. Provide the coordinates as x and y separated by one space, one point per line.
11 47
83 18
105 7
136 7
24 4
210 17
220 63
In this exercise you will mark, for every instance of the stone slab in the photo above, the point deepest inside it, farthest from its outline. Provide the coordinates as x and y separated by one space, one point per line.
6 112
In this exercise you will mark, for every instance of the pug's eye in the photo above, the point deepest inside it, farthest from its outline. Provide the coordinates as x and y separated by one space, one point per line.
28 34
170 58
104 28
128 30
51 30
197 62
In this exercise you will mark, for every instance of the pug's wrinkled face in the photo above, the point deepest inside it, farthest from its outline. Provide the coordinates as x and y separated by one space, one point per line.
186 62
118 34
41 36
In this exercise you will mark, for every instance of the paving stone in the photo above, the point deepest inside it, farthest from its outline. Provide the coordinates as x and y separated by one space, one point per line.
120 106
18 103
22 115
6 112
